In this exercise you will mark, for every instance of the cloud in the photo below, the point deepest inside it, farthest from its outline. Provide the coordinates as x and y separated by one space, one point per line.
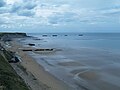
2 3
4 10
111 11
25 13
59 18
15 7
29 5
21 13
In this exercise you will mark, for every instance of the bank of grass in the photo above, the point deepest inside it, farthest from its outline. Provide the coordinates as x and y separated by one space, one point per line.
8 55
9 80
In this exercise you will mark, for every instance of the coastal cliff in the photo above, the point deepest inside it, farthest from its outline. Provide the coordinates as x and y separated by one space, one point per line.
9 36
13 34
9 79
28 72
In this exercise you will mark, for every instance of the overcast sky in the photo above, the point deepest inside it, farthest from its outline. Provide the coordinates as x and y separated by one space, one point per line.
60 15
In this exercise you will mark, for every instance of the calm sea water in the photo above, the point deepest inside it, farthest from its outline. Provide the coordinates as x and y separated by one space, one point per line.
105 41
88 62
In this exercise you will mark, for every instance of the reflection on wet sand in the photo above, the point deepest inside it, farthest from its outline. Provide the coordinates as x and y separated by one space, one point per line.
81 68
70 64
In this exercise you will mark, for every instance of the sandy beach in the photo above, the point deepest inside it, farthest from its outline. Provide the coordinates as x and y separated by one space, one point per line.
59 44
45 81
70 68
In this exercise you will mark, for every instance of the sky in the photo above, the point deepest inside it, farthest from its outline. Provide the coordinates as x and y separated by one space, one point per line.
60 15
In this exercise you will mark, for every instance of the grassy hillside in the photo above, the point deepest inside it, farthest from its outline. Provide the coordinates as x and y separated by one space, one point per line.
9 80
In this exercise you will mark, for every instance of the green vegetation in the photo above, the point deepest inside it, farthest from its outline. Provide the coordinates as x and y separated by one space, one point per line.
9 80
8 54
22 68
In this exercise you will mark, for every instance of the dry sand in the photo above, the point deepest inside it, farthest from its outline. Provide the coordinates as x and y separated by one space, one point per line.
38 71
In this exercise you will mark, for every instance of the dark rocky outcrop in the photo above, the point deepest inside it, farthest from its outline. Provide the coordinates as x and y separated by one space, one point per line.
31 44
54 35
80 35
45 35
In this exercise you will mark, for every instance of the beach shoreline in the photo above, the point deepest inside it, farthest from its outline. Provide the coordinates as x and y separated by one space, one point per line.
70 68
44 78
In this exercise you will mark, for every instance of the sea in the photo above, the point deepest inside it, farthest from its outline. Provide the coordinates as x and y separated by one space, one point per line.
84 61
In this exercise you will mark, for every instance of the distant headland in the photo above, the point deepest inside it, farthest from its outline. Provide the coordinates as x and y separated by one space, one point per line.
7 36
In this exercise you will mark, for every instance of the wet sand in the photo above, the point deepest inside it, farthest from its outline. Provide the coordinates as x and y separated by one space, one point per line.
86 68
44 78
67 64
88 75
